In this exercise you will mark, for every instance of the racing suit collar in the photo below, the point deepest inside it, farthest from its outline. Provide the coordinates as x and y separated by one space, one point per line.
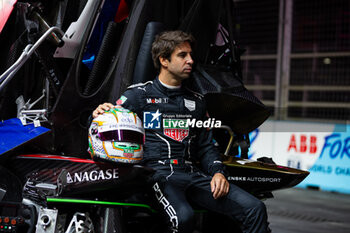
167 91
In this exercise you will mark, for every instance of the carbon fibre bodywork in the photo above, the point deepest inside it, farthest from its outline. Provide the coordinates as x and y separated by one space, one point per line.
85 177
67 176
260 177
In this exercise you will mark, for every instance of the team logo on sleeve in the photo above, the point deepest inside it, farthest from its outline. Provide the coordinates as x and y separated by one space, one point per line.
151 120
121 100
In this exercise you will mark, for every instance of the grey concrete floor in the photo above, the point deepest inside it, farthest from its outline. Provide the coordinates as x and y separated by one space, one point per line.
308 211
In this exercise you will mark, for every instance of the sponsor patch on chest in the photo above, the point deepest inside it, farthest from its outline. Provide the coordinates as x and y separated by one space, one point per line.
190 104
157 100
176 129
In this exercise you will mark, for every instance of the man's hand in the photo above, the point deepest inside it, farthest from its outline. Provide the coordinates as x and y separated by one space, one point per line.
101 109
219 185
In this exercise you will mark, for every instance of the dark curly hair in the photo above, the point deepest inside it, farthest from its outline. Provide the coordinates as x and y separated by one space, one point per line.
165 43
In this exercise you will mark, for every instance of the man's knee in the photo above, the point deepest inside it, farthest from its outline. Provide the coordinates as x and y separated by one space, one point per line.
256 218
253 204
185 217
260 207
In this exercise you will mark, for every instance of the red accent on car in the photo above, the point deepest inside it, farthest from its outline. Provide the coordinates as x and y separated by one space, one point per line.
6 9
57 157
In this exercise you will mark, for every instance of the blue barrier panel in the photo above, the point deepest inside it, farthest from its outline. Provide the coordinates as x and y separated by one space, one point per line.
331 171
13 133
321 148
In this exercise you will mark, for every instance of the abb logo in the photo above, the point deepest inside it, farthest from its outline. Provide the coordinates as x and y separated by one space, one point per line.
303 144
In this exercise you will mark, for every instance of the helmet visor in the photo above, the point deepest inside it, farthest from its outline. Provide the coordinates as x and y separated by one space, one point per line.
122 135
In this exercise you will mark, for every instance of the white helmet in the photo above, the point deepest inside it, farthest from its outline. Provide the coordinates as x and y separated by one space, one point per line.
117 135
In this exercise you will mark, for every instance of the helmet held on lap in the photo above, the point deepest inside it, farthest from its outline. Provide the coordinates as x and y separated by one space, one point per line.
117 136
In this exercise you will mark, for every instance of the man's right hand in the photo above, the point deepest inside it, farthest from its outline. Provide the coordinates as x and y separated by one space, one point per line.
101 109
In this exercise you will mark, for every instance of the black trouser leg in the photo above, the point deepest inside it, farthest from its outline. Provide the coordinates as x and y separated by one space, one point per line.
173 188
237 204
176 208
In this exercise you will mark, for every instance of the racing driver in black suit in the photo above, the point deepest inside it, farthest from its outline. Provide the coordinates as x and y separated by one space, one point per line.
174 139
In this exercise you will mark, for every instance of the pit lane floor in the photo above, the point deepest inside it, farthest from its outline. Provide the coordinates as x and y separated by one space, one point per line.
308 211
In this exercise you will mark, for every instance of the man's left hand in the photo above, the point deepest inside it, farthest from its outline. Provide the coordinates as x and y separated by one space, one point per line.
219 185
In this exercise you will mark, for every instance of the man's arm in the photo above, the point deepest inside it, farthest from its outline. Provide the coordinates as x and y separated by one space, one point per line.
101 109
211 162
207 153
127 100
130 101
219 185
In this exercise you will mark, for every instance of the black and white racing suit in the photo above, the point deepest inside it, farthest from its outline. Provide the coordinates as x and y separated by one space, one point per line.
171 141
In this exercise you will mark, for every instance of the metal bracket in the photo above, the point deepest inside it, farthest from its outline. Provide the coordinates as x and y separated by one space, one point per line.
29 116
47 220
80 223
